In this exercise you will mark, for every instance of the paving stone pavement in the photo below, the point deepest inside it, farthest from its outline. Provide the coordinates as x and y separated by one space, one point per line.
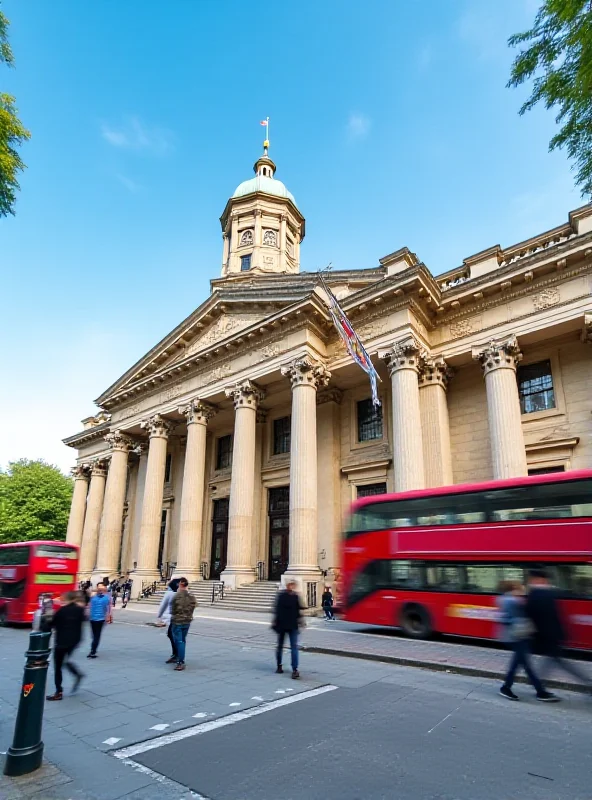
130 695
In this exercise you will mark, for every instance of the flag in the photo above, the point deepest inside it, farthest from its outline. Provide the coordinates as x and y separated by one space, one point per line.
352 341
264 122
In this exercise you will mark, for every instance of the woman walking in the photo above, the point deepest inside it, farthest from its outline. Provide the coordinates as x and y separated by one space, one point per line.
164 614
516 632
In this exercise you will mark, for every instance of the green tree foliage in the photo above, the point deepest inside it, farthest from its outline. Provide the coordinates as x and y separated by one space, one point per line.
558 59
12 133
34 502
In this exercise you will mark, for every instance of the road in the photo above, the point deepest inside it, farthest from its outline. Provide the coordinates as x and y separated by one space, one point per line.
228 728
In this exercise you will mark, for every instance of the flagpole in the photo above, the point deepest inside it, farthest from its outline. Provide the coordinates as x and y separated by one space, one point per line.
267 134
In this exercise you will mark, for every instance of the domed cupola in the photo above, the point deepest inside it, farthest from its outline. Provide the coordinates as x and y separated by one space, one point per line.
262 226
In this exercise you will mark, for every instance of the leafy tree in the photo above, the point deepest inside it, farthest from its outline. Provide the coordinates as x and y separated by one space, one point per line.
12 133
559 60
34 502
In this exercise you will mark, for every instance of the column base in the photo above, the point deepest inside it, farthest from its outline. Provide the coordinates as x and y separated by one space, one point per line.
234 577
305 577
140 576
191 573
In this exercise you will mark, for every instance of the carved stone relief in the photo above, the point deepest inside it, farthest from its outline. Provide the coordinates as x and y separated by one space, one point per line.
223 326
547 298
463 327
171 392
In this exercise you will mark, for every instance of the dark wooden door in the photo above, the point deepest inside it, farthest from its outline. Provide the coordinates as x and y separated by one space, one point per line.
219 538
279 532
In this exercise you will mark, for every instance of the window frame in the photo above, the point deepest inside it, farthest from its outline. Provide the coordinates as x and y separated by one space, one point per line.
279 453
217 466
374 439
243 260
533 357
543 391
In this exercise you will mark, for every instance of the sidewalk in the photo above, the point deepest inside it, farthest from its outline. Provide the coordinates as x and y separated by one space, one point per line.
486 660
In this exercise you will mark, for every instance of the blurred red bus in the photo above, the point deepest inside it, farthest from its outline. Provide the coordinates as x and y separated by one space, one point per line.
30 569
431 560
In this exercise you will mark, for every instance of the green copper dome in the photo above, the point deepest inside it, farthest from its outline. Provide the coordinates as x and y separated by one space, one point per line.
260 183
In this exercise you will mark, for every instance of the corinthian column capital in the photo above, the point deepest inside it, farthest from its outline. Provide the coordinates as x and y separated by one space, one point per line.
306 372
406 353
81 472
99 468
197 411
119 441
434 371
245 394
157 426
498 354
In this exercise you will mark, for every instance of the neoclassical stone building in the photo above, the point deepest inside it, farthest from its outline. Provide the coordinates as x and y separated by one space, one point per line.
233 448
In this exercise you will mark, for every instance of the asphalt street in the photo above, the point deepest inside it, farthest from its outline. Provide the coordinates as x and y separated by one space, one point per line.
229 727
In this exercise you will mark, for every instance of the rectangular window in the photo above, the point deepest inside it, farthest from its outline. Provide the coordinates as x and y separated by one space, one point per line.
369 421
535 387
544 501
371 489
224 452
545 470
245 263
167 468
10 556
281 435
55 551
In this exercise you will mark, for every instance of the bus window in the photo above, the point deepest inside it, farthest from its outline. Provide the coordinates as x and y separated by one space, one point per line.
12 590
446 578
55 551
482 578
574 579
406 575
511 572
14 556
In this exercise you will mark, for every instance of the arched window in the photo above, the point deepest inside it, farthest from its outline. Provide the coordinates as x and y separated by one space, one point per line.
270 238
246 238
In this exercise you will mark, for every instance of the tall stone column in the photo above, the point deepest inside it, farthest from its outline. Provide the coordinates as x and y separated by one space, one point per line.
435 425
403 361
198 415
225 252
92 520
78 507
111 529
158 431
499 360
306 376
239 566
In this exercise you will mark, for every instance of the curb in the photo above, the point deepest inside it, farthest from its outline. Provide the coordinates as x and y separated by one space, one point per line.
436 666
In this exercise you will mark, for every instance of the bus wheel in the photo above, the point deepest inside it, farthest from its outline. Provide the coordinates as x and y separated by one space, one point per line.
415 622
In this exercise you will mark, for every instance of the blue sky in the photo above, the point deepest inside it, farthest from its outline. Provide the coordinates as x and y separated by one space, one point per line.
390 123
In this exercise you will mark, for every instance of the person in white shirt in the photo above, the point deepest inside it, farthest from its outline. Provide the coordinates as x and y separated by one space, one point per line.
164 616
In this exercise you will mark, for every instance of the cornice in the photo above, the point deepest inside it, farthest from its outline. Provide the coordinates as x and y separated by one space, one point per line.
86 436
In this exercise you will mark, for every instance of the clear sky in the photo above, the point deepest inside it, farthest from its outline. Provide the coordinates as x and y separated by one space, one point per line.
390 123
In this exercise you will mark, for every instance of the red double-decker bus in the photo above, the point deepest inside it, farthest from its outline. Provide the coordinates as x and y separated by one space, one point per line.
31 569
431 560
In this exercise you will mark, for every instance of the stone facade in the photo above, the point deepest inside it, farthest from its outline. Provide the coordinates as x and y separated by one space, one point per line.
233 448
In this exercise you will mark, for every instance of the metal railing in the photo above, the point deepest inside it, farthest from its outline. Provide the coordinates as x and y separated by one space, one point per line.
311 594
148 588
205 570
261 570
217 591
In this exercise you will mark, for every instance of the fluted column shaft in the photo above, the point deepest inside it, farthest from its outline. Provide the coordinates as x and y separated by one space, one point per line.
403 363
499 360
239 567
158 431
111 529
192 498
78 506
92 520
435 423
306 377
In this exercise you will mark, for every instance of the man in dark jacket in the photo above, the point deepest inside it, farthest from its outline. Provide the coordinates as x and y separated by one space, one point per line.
67 624
182 608
543 610
287 620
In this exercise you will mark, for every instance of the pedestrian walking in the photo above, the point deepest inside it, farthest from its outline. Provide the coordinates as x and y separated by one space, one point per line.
543 609
100 612
516 632
67 626
182 607
327 603
114 589
165 616
287 619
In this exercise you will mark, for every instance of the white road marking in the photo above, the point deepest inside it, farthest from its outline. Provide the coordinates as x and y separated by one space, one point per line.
280 691
162 779
200 715
111 740
175 721
257 698
160 727
222 722
233 704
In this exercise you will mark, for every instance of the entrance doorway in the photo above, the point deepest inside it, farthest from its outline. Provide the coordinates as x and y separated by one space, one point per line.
219 538
279 532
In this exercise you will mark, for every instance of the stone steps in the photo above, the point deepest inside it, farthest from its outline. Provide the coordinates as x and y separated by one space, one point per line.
257 597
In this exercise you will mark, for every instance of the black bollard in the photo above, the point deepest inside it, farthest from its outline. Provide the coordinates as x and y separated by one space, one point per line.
26 753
